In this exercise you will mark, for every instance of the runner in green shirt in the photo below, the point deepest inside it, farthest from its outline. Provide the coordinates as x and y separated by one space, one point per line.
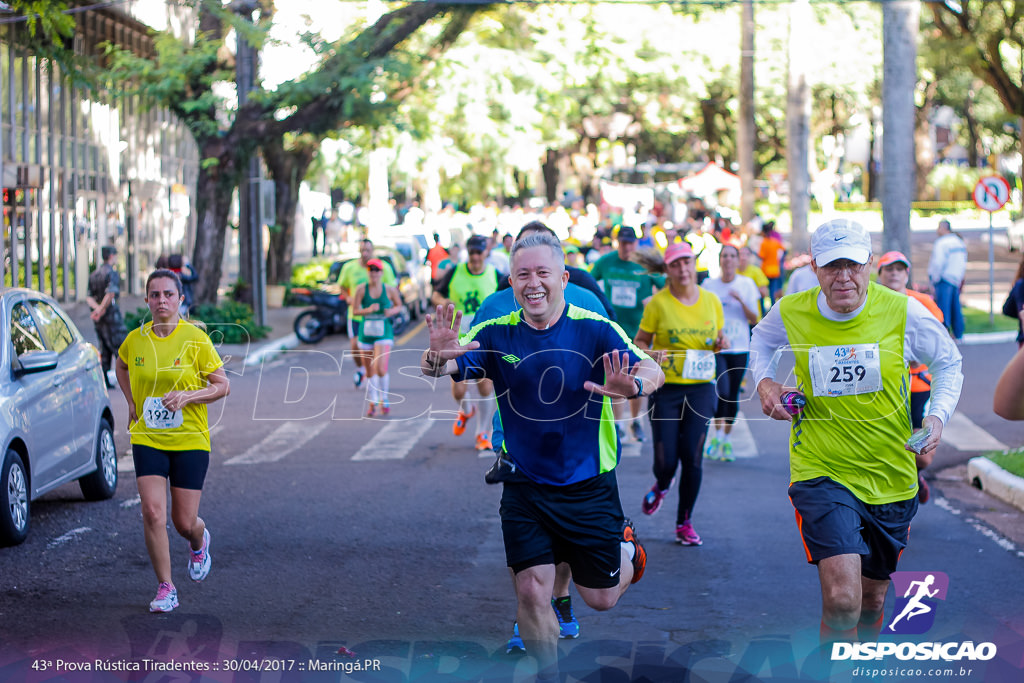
629 286
352 275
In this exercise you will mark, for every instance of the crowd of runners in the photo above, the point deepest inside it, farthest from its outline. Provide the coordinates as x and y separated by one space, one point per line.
652 341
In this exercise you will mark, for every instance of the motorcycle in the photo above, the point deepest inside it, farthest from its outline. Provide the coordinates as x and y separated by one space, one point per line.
329 314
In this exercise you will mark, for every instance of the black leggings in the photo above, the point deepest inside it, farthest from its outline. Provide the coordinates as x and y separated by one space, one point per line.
679 424
730 367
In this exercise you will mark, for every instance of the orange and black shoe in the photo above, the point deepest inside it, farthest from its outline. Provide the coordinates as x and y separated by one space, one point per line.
459 428
640 555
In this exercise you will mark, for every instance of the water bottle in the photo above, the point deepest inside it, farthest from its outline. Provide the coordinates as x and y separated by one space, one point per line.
793 402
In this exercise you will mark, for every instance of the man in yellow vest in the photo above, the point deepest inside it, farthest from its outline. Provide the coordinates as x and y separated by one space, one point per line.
853 472
466 286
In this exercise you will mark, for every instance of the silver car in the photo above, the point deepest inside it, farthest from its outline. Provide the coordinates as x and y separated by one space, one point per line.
55 417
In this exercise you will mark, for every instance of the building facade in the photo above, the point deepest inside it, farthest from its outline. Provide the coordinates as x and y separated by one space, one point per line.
83 168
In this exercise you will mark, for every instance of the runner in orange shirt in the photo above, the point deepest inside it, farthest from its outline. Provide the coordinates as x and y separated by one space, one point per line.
894 273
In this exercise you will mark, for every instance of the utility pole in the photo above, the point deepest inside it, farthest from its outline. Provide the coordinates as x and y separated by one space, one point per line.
745 136
250 228
798 123
900 27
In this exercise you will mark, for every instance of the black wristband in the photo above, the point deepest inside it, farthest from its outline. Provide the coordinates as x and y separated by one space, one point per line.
639 388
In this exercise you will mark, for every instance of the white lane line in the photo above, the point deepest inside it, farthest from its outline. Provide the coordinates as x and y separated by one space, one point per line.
394 441
61 540
964 435
743 444
131 502
982 528
280 443
631 448
126 464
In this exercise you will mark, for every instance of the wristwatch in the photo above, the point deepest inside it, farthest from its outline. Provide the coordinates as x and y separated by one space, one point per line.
639 388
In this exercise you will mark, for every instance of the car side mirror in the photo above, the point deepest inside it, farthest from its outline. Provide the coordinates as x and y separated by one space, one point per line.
36 361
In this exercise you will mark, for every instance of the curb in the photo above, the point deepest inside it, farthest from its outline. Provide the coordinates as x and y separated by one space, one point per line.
270 349
995 481
976 338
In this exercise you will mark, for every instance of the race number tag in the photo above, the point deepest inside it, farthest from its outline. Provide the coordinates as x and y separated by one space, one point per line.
624 294
373 327
845 370
158 417
699 365
738 333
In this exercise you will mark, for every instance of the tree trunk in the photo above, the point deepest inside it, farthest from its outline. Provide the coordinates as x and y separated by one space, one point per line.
900 28
287 168
745 131
550 171
798 120
212 205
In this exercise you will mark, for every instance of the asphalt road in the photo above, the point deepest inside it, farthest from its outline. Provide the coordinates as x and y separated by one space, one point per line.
334 531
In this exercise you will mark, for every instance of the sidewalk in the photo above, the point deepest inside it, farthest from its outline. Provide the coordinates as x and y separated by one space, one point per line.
279 320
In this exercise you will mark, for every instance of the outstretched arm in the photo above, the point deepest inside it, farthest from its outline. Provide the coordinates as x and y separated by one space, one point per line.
620 380
443 327
1008 398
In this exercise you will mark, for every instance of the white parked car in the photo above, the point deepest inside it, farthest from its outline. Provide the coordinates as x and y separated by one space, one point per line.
55 416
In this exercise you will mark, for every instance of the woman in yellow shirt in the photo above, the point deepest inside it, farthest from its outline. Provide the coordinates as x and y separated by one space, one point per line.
683 325
168 371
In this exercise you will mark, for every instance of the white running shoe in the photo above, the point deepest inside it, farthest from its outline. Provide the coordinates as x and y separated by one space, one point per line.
199 560
166 598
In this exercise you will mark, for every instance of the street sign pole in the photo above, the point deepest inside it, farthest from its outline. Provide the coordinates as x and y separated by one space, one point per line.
991 274
990 194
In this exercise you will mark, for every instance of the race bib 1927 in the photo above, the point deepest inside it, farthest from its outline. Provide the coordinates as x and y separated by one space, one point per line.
159 417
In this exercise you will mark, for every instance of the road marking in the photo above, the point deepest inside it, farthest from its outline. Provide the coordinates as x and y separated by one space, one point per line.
405 338
964 435
131 502
60 540
631 448
126 464
982 528
743 444
394 441
280 443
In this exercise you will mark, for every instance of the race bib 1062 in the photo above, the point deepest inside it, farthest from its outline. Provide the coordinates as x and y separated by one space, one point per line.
699 365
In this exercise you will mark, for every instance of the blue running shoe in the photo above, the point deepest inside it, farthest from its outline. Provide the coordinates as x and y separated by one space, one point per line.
568 627
515 643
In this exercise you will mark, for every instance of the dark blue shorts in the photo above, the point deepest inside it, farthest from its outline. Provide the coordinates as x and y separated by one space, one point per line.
184 469
832 521
580 524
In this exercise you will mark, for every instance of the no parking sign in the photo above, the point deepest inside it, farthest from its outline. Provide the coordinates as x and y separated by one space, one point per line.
991 193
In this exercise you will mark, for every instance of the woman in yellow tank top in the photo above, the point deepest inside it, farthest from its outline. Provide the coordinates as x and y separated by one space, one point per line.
683 324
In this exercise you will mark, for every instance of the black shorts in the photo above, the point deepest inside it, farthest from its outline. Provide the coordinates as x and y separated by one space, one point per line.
832 521
184 469
580 524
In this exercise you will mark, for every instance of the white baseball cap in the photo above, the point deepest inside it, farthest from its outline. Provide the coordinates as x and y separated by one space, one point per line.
840 238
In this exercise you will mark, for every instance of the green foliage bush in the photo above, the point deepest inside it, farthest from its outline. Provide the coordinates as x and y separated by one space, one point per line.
311 273
230 322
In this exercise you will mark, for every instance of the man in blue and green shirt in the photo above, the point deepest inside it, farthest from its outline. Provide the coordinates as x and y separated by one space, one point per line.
555 368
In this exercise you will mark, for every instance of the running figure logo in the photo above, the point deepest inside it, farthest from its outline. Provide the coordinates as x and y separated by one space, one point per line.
921 591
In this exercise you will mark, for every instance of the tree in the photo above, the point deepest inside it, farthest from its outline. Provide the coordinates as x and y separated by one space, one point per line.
344 89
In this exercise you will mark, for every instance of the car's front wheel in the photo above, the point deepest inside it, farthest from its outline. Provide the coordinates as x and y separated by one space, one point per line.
14 511
101 484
